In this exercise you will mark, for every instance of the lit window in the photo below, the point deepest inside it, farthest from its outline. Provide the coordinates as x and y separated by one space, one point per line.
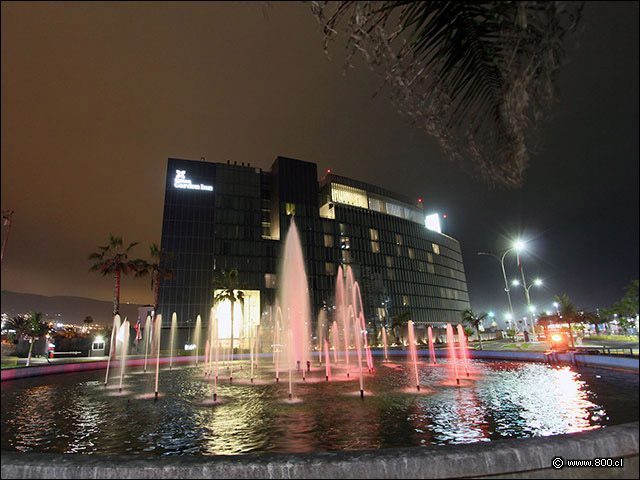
373 233
343 229
431 269
375 204
344 243
290 208
381 312
389 261
327 210
349 195
330 268
412 255
328 240
346 256
436 248
398 239
375 247
429 257
405 300
395 209
421 267
390 274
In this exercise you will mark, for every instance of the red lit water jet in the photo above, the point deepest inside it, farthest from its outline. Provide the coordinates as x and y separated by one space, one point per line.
462 342
452 351
413 352
432 351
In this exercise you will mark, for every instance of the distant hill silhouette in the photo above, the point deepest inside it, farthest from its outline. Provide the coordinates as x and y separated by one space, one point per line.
65 309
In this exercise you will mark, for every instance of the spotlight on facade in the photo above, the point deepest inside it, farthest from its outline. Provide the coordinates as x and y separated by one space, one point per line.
432 222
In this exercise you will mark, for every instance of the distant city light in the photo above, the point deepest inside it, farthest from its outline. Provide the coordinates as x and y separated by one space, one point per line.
432 222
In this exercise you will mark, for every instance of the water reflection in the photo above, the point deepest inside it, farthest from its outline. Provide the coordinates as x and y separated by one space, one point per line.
76 414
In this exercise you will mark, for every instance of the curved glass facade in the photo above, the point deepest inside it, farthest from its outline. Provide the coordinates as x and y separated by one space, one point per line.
239 222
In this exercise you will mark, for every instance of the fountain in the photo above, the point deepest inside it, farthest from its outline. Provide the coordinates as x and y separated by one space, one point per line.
156 338
321 405
327 363
123 338
112 345
147 336
294 299
452 351
196 337
174 326
413 352
432 351
462 343
384 344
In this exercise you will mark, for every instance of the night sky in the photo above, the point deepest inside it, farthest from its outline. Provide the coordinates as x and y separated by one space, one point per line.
97 96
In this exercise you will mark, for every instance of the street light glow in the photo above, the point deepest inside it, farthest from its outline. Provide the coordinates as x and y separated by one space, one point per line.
538 282
515 283
532 308
519 245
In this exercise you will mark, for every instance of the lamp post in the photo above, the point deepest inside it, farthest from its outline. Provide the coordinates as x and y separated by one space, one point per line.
504 274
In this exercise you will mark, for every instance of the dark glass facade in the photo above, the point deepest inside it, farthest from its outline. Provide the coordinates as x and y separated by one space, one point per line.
242 222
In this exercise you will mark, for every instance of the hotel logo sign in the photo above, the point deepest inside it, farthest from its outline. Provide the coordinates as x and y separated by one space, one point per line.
180 181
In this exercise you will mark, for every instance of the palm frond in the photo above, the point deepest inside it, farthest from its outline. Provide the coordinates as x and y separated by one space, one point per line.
476 75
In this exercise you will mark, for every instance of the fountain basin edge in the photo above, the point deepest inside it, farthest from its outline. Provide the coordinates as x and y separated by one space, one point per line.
509 458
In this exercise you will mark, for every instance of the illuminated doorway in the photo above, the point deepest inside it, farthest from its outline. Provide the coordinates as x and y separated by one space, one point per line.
246 319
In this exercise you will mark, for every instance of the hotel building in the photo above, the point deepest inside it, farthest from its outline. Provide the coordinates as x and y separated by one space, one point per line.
223 216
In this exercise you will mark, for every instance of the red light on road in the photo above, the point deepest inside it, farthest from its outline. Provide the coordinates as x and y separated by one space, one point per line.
444 216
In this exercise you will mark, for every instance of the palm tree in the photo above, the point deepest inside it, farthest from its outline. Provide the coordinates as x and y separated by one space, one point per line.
398 322
476 75
567 313
159 271
113 259
88 320
229 289
18 324
36 328
473 320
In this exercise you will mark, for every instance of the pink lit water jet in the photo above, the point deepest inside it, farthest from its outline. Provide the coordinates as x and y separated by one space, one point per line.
384 344
432 351
336 343
452 351
327 363
294 298
413 352
462 342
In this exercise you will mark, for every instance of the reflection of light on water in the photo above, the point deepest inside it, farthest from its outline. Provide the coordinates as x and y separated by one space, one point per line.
538 400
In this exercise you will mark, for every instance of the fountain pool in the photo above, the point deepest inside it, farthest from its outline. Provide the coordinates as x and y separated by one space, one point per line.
76 413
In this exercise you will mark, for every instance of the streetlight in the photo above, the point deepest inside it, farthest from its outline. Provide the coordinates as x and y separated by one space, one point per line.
517 245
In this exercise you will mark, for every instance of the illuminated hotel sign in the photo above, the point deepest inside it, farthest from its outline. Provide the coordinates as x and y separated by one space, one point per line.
180 181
